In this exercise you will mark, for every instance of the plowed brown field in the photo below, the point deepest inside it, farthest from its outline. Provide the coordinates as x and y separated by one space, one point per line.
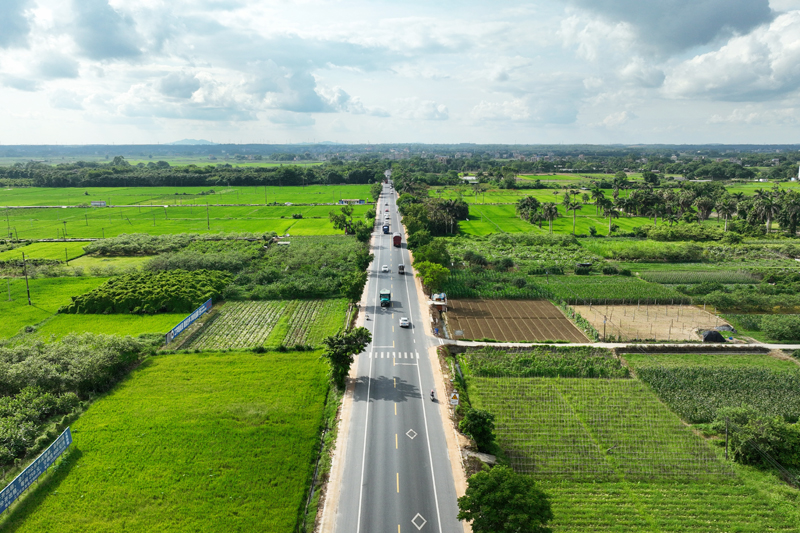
510 321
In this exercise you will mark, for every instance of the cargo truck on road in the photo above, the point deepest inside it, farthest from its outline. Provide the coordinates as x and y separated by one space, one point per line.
386 298
397 239
386 228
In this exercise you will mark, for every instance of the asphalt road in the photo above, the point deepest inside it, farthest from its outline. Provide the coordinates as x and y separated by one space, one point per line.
397 476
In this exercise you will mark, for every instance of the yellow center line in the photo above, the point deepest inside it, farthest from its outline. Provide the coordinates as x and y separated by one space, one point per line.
395 382
398 482
392 329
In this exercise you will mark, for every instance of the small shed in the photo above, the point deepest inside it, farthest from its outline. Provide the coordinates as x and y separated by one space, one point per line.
726 327
713 336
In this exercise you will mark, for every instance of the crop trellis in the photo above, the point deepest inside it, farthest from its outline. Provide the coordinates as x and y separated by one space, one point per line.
241 325
593 429
249 324
688 277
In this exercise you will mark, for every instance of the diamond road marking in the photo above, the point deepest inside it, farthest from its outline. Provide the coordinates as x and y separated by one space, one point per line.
411 434
421 518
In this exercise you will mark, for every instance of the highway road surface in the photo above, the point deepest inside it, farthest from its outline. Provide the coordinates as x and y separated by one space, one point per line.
396 474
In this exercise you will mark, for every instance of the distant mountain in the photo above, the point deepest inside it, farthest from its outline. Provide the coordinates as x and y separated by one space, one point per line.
191 141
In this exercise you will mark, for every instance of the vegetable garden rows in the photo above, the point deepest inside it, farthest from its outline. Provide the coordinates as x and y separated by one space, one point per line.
273 322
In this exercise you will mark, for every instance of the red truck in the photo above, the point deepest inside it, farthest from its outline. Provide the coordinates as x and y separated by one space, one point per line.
397 239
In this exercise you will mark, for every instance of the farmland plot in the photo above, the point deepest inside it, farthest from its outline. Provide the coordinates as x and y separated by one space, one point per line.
509 321
240 325
272 322
656 322
592 429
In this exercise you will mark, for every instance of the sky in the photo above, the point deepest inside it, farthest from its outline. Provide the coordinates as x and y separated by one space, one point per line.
400 71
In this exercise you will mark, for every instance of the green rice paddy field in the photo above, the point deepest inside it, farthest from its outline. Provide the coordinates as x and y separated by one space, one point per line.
88 223
190 442
47 296
72 196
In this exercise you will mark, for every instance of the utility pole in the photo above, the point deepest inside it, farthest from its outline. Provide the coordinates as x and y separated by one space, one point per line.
65 228
25 271
265 195
208 219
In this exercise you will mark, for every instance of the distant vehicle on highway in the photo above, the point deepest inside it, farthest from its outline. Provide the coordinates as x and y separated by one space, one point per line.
385 268
401 269
404 323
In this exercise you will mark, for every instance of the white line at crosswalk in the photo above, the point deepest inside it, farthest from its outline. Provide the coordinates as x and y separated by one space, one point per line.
394 355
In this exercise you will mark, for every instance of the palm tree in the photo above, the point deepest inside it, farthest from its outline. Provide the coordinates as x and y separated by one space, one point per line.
789 217
574 206
550 213
526 207
725 208
766 208
585 198
597 195
609 211
704 206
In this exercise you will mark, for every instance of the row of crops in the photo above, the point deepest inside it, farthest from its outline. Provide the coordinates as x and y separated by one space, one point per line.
697 393
543 361
575 290
592 429
272 323
690 277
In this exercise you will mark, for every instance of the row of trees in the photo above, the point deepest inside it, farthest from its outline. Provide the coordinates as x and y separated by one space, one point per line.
690 204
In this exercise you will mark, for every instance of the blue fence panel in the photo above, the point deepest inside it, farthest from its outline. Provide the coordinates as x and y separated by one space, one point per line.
186 322
34 470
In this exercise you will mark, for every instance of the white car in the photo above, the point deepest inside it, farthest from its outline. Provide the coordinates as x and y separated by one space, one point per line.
404 323
385 268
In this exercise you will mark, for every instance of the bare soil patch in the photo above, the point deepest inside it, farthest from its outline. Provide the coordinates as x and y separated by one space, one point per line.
510 321
650 322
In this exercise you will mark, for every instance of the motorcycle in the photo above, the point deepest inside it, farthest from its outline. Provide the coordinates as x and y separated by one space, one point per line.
433 397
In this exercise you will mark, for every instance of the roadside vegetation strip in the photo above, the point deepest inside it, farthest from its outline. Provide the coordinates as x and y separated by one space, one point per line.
47 296
157 438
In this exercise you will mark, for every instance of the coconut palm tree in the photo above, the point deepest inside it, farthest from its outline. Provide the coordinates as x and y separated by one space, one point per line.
550 213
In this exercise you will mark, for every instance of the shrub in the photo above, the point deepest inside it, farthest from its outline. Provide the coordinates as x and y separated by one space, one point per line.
610 270
151 292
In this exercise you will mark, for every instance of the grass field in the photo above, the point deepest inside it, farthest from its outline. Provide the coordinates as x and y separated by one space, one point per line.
60 251
272 323
133 325
72 196
47 295
88 262
112 221
190 442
